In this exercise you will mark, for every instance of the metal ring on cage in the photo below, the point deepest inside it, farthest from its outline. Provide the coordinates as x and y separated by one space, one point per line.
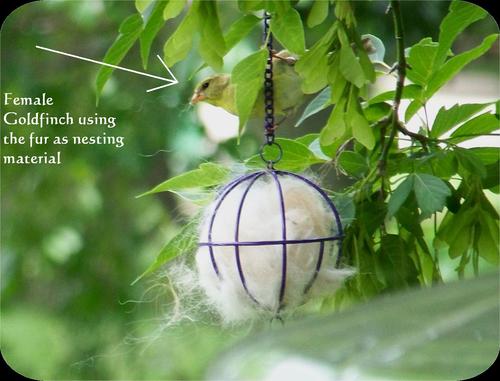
271 162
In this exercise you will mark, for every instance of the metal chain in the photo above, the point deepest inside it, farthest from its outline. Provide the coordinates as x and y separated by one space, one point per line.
269 125
268 84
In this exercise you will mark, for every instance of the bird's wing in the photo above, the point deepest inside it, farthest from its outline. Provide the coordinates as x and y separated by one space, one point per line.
288 92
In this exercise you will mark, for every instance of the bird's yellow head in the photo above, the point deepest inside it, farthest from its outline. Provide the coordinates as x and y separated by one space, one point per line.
211 89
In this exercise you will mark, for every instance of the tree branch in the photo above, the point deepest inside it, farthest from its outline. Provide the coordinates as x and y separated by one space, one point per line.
421 138
401 75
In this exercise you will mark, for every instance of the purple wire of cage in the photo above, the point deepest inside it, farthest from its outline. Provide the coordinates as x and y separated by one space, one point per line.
251 179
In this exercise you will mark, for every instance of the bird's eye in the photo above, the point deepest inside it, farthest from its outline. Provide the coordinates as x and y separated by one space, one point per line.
204 85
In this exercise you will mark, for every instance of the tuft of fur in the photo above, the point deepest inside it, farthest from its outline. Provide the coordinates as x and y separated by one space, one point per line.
307 216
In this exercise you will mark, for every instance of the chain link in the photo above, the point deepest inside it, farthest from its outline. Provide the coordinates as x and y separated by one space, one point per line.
269 125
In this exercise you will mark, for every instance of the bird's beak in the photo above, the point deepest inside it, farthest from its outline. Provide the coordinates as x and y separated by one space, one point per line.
197 97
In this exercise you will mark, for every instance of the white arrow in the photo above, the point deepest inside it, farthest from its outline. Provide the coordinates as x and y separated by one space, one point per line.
170 82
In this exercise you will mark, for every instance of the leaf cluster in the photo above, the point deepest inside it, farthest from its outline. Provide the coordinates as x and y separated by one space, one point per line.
397 194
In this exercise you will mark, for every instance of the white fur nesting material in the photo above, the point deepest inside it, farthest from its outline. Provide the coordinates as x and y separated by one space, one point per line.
307 216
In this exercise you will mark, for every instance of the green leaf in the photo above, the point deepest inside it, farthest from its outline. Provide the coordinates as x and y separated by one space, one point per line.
431 193
409 92
462 242
307 139
365 282
331 150
455 230
444 164
461 15
353 163
335 126
318 78
130 30
208 174
239 29
408 216
470 162
183 243
212 45
345 206
141 5
198 196
480 125
454 65
247 6
429 272
412 108
447 119
366 65
344 11
432 78
247 77
487 155
278 7
320 102
318 13
361 130
399 196
296 156
485 205
350 67
363 59
338 83
420 61
210 56
453 202
491 180
212 31
371 214
397 266
173 9
288 30
440 333
179 43
488 242
377 111
153 25
356 121
313 64
315 148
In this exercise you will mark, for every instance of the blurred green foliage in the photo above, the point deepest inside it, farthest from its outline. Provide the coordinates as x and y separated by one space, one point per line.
434 328
74 237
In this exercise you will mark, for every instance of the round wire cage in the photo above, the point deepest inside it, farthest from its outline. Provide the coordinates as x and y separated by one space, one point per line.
247 182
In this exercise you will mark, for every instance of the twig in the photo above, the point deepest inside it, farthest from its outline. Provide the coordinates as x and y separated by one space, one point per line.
401 72
421 138
383 128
